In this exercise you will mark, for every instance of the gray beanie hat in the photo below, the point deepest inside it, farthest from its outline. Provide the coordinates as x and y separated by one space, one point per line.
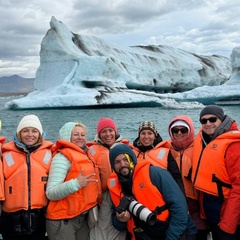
214 110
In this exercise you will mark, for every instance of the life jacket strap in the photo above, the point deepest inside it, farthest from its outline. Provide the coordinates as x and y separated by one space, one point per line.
220 184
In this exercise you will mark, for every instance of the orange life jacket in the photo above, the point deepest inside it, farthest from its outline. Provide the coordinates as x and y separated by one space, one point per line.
83 199
2 140
144 192
209 170
2 197
25 176
158 156
100 154
184 162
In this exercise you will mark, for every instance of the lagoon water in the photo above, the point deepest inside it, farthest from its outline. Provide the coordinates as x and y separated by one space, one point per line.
126 119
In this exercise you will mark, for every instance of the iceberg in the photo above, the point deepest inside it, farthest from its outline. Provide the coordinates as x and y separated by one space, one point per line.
86 71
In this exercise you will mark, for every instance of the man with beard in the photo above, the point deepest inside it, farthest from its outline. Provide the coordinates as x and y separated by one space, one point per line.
145 197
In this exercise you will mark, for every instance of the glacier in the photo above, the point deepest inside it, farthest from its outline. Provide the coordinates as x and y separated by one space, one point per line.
86 71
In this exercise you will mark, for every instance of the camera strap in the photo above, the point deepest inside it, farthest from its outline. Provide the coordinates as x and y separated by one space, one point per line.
159 210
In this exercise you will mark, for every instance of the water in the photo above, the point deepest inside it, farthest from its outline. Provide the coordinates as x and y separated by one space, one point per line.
126 119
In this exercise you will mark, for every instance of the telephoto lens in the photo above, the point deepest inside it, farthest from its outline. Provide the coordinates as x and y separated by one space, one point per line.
142 212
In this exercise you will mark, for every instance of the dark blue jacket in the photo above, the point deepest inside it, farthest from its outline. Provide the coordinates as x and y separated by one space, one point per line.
179 219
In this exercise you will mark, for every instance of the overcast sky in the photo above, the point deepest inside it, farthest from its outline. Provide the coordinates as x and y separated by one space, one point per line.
200 26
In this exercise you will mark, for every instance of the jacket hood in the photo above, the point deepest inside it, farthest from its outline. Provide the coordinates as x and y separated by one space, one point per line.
66 131
121 149
183 144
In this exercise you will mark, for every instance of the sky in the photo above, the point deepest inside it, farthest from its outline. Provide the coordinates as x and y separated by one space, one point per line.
200 26
106 74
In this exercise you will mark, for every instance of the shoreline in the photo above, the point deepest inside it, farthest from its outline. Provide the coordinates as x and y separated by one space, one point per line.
12 94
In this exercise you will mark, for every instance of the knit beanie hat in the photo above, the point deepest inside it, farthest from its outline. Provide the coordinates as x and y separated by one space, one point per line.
122 149
214 110
30 121
106 123
149 126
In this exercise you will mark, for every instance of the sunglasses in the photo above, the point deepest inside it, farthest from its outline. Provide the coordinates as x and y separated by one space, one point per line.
177 130
211 120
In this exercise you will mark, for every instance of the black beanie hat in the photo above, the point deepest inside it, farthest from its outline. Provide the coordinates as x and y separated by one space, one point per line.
214 110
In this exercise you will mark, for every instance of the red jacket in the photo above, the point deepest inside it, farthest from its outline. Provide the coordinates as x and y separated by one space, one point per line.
2 140
230 214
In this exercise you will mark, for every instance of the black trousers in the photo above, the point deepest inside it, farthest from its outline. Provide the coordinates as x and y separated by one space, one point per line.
218 234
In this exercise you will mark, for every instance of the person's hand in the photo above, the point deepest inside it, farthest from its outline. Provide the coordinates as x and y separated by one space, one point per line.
84 180
123 217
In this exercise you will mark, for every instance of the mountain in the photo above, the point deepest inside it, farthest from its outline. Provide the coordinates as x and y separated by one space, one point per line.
86 71
16 85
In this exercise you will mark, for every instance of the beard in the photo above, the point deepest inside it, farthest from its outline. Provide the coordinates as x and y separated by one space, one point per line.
124 172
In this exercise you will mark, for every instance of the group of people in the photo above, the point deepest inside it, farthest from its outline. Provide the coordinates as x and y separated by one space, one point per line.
181 188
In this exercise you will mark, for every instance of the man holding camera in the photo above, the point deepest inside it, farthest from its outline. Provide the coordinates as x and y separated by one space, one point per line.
148 202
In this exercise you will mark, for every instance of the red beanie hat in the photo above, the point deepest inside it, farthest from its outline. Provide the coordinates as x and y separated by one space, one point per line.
106 123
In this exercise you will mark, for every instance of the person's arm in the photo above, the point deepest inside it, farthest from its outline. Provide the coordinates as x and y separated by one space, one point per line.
120 226
175 172
56 187
230 217
175 200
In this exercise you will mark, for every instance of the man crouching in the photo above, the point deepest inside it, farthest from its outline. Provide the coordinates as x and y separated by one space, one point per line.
148 202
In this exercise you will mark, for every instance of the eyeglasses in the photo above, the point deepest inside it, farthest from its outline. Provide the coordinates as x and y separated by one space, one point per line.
211 120
182 130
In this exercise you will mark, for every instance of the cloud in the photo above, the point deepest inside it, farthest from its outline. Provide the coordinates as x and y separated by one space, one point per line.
199 26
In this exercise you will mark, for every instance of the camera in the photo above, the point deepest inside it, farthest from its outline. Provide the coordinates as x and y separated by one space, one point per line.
124 204
137 209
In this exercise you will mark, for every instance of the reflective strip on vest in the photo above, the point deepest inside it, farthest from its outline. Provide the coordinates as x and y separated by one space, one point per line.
112 183
9 159
92 150
161 154
47 157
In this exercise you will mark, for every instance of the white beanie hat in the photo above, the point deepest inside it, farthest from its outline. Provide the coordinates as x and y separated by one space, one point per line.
178 123
30 121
